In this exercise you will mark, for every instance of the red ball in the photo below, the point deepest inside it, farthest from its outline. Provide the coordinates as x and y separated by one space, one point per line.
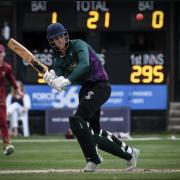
139 16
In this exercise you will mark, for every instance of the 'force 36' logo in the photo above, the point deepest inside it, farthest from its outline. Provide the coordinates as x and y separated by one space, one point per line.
90 93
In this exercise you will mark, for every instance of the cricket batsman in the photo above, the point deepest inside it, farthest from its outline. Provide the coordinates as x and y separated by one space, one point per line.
75 62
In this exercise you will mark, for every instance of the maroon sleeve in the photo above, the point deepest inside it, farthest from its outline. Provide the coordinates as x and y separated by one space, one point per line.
10 77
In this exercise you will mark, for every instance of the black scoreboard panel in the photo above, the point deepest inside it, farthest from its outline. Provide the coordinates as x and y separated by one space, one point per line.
121 70
97 15
115 25
122 17
126 65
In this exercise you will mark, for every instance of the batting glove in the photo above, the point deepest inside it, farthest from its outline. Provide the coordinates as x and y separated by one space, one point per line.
49 77
60 83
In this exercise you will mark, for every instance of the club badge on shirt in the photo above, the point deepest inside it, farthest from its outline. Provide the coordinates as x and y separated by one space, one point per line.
72 66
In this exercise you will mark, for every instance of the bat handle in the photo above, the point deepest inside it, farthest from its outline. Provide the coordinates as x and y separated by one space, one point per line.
39 66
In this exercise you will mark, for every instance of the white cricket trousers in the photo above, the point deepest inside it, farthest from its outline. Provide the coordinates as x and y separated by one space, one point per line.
15 112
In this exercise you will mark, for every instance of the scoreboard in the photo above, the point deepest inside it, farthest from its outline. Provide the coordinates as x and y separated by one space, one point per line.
109 25
96 15
118 16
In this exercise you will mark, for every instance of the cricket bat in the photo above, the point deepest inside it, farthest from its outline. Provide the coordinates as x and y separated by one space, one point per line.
26 55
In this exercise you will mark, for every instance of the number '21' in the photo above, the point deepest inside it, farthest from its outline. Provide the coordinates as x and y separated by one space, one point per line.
94 17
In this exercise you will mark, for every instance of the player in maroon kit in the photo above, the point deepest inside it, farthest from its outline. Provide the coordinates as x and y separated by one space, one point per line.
6 73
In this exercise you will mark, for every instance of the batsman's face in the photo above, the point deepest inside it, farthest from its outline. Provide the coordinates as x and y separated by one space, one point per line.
60 42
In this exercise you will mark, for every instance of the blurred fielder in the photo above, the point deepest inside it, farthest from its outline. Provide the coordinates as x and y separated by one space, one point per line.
5 73
75 62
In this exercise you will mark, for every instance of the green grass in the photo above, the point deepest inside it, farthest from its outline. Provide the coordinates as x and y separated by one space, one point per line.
92 176
155 154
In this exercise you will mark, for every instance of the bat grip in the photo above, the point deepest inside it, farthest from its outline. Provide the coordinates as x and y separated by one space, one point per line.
39 67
